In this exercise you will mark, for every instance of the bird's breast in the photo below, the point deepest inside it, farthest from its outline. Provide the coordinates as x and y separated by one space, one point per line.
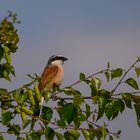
59 76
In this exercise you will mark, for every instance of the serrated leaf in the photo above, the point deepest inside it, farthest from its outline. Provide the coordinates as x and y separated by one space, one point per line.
132 82
137 70
6 117
137 110
69 112
82 76
116 73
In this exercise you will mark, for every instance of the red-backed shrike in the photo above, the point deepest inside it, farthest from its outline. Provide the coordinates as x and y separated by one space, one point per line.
53 74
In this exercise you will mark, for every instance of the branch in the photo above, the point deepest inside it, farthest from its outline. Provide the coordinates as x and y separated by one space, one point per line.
112 92
79 81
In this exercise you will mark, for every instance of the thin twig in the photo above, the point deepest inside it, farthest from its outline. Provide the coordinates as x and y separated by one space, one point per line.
132 93
79 81
112 92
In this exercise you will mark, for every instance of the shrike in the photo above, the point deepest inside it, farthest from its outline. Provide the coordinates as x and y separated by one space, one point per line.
51 77
53 74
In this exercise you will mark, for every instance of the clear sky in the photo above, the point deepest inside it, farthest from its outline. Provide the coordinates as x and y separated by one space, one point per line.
89 32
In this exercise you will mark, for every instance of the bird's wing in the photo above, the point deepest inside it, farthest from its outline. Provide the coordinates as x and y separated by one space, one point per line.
47 76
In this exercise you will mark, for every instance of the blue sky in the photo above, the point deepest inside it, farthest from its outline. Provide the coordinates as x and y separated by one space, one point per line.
89 32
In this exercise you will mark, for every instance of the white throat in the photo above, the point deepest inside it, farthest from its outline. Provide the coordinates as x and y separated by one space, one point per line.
57 62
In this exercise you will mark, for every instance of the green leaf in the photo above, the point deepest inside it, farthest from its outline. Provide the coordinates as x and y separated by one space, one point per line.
14 129
70 91
95 86
1 53
127 97
5 70
26 123
107 75
7 54
74 133
20 138
113 107
6 117
33 136
136 98
47 114
71 135
110 138
88 135
10 68
16 94
3 91
104 97
61 123
102 103
105 94
2 137
104 132
23 96
88 112
132 82
78 99
108 65
137 109
137 70
82 76
69 112
116 73
49 133
59 136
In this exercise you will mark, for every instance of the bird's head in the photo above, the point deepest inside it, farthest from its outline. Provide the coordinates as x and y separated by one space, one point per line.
57 59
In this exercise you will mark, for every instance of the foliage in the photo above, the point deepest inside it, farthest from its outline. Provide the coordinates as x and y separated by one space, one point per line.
72 116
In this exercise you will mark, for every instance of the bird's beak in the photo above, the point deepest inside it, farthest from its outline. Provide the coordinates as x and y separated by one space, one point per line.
65 59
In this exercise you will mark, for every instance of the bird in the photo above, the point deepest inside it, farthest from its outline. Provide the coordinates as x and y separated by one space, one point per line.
53 73
51 77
